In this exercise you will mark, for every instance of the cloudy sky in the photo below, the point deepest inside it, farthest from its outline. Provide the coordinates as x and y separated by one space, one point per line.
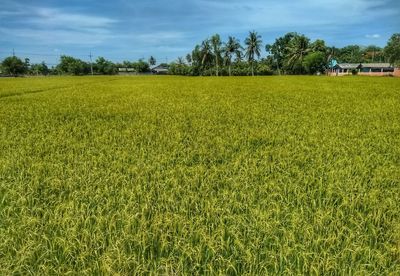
129 30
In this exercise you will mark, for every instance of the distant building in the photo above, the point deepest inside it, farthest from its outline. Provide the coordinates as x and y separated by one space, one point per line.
126 71
365 69
341 69
160 70
376 69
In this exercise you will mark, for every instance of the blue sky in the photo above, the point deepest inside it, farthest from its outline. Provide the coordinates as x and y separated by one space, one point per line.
128 30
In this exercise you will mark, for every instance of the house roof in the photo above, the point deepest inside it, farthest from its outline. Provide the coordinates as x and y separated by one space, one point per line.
125 69
159 68
362 65
376 65
347 65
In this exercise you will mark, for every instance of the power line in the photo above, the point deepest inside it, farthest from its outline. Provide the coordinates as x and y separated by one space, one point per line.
40 54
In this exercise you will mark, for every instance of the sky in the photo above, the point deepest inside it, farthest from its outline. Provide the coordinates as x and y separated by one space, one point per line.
166 29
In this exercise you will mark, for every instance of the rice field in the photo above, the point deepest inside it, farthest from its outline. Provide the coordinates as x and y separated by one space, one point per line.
179 175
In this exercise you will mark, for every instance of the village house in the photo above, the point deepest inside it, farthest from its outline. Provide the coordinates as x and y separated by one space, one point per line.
126 71
365 69
160 70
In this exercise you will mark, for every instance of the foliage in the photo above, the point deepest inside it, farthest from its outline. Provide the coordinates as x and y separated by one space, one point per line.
351 54
315 63
298 48
280 50
179 68
253 48
195 176
105 67
206 54
189 59
14 66
39 69
373 53
73 66
231 48
392 50
152 61
141 66
216 45
292 53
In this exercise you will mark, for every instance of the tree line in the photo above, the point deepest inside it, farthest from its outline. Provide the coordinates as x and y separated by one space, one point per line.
291 53
69 65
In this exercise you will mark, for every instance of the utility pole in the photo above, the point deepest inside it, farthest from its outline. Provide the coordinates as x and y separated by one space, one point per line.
13 53
91 66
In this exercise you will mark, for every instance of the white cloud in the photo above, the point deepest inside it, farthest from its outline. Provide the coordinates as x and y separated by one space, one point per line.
55 37
55 26
373 36
56 17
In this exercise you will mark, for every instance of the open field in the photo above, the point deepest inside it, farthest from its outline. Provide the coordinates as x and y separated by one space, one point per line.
173 175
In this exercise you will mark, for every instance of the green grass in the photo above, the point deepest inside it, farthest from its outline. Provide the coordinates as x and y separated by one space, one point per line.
176 175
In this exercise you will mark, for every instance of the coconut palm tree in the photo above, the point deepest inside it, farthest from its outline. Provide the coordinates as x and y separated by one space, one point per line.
152 61
180 61
206 52
275 51
253 49
298 48
232 47
189 59
216 47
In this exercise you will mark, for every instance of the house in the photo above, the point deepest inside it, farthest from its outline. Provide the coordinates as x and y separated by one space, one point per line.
160 69
126 71
365 69
341 69
376 69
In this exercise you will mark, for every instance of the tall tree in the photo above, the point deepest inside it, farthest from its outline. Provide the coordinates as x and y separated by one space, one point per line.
152 61
180 61
315 62
14 66
351 54
39 69
372 53
189 59
279 50
232 47
206 53
216 47
253 49
298 49
105 67
392 49
318 46
73 66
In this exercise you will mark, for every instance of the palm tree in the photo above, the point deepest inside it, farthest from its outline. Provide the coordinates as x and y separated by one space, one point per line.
239 55
253 43
180 61
216 46
298 48
275 51
189 59
232 47
206 52
152 61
